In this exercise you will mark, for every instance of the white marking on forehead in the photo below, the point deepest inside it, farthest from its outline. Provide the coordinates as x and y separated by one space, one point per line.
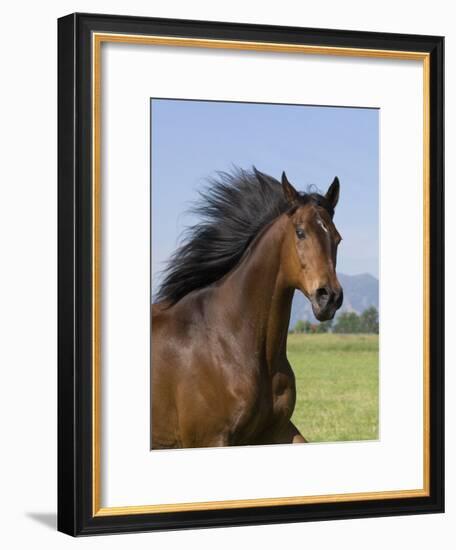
321 224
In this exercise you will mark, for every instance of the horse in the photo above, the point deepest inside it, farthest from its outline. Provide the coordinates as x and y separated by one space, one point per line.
219 369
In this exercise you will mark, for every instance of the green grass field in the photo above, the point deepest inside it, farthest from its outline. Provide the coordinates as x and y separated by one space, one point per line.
337 385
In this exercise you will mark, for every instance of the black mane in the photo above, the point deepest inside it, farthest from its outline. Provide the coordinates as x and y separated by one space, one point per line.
234 208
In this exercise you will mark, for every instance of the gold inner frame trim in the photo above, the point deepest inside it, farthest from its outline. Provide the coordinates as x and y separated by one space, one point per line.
97 40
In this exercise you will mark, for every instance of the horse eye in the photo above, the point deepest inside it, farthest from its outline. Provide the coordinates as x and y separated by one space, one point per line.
300 233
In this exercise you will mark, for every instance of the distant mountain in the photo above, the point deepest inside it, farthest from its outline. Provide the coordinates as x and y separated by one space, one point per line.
360 292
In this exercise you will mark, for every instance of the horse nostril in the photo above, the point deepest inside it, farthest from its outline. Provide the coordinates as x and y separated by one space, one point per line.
322 296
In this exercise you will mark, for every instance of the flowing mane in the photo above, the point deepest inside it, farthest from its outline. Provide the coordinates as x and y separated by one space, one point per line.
234 208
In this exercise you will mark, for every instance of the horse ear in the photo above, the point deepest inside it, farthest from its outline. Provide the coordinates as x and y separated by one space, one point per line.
332 194
289 191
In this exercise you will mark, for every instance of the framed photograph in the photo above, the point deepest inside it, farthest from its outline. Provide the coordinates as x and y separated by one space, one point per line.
251 273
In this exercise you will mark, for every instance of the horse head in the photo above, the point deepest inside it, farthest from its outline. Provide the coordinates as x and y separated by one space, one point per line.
310 248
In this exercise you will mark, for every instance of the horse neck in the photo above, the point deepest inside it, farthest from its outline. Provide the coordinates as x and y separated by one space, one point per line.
257 297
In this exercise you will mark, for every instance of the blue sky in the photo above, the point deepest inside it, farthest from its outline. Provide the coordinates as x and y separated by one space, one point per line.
193 139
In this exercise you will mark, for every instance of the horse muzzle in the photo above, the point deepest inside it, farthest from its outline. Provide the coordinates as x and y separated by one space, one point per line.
325 302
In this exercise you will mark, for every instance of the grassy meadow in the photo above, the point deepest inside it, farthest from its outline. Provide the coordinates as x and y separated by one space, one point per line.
337 385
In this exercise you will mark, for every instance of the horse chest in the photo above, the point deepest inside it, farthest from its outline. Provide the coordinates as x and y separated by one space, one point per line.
271 404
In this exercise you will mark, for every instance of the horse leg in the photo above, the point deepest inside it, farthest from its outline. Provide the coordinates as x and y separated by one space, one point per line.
191 440
297 436
288 433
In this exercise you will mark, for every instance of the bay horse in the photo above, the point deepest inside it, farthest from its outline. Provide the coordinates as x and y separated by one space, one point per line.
219 369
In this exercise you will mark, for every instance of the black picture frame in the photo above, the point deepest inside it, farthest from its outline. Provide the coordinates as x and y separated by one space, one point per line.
75 452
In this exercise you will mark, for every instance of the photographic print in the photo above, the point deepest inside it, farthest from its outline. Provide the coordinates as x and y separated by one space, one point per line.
265 274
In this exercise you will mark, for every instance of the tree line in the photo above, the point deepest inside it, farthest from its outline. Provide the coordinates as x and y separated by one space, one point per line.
348 322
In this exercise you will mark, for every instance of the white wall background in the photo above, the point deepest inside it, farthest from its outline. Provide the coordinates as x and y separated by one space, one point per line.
28 242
